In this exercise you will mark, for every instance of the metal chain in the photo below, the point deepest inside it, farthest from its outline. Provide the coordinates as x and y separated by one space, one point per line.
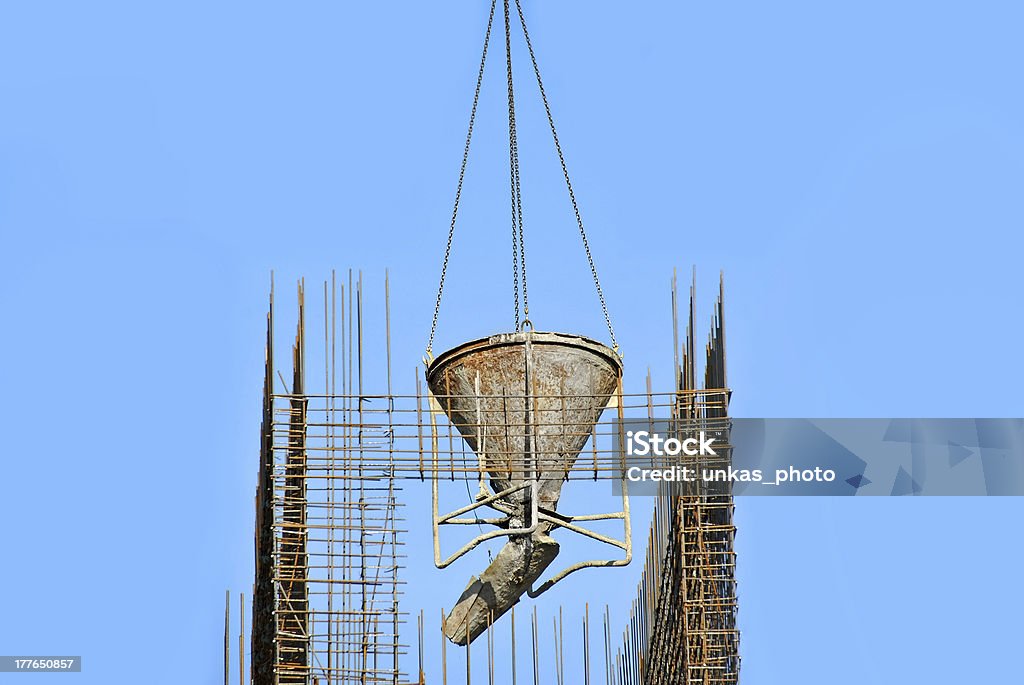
518 242
511 162
519 212
522 240
462 175
565 173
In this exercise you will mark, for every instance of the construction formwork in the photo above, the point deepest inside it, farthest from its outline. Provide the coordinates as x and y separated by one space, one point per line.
328 526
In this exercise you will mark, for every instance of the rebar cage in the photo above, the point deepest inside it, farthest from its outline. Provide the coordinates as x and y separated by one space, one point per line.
329 553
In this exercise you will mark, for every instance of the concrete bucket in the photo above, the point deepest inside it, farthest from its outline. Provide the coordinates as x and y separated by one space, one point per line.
526 403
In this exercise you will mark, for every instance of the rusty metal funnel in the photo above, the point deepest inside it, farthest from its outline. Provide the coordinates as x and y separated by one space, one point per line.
526 404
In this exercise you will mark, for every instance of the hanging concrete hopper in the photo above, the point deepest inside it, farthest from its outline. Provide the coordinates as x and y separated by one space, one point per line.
526 403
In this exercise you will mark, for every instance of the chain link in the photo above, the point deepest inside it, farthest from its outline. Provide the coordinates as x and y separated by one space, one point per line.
512 149
518 241
565 173
522 240
462 176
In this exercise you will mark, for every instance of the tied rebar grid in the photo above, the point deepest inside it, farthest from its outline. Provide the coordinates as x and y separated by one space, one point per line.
395 446
682 628
325 607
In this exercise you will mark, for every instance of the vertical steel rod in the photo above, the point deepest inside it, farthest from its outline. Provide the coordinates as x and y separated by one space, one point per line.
514 645
241 639
227 638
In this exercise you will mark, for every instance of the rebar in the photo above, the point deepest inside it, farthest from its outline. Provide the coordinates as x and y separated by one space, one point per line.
328 535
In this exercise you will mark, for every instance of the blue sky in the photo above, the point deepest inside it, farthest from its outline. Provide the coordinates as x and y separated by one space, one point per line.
854 167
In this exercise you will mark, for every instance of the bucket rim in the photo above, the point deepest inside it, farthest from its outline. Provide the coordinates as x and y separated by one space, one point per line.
519 338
